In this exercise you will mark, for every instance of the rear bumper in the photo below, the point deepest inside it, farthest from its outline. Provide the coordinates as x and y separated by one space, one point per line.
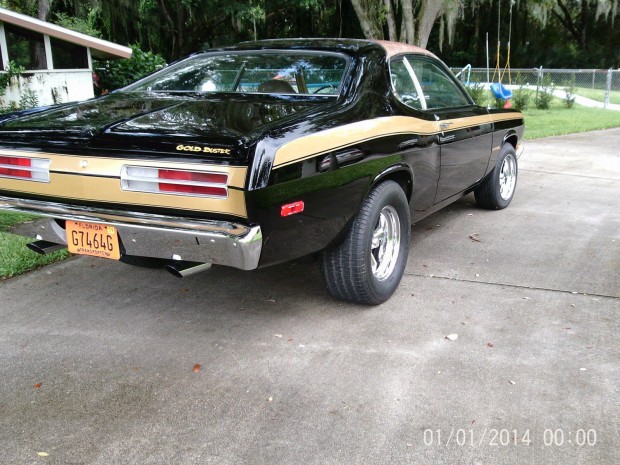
160 236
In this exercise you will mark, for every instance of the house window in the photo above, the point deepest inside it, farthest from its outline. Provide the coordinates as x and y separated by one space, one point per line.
26 48
67 55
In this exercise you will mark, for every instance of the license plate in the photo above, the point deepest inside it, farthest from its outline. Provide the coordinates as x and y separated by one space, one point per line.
94 239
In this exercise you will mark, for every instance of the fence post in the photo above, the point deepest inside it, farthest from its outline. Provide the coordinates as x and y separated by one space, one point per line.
593 77
539 73
607 89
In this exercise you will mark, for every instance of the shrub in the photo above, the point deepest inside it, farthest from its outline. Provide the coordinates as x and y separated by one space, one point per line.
544 94
28 99
11 71
114 74
521 98
478 94
570 89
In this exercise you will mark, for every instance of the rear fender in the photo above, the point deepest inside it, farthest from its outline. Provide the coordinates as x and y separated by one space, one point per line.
400 173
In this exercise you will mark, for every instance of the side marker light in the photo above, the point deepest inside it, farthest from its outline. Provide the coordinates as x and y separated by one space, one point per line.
292 208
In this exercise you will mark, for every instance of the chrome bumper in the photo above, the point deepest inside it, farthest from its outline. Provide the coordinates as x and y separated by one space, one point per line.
148 235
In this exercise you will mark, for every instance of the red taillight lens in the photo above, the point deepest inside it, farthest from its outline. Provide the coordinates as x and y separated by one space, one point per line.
7 162
292 208
28 168
164 181
204 182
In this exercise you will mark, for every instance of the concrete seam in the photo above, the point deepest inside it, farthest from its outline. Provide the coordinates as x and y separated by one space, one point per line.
518 286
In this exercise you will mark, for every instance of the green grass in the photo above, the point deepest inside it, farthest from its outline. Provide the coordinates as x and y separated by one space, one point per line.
8 219
15 257
599 95
559 120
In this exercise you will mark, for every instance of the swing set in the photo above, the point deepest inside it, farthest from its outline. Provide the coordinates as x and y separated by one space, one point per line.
499 90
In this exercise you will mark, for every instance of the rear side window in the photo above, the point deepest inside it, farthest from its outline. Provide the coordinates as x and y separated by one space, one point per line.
423 85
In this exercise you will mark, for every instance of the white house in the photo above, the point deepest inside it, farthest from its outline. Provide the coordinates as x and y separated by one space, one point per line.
58 61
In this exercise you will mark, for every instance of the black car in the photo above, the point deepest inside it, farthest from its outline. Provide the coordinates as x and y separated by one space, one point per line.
260 153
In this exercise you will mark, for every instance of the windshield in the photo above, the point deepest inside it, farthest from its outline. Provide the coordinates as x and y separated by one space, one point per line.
282 72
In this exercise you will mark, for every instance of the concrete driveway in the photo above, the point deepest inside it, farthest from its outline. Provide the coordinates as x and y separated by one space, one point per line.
98 361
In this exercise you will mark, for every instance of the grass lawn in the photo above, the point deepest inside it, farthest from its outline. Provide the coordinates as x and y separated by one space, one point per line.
560 120
599 95
15 257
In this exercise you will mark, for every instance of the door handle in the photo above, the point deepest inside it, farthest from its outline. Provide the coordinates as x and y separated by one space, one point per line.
445 125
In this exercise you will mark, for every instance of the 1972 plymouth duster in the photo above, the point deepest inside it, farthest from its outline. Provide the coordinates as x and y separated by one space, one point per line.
260 153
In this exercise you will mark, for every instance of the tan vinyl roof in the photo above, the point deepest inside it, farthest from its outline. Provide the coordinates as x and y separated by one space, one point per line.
99 48
396 48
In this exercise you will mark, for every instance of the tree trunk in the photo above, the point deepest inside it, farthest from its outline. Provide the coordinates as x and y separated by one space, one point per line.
38 49
408 21
391 20
43 9
180 29
171 28
566 19
583 43
430 10
369 25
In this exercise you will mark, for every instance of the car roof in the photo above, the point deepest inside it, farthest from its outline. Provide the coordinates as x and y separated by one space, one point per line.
350 46
398 48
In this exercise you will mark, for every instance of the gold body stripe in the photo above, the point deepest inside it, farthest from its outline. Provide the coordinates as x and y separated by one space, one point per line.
98 180
342 136
333 139
506 117
111 167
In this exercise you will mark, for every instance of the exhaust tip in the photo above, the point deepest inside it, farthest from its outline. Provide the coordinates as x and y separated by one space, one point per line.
182 269
45 247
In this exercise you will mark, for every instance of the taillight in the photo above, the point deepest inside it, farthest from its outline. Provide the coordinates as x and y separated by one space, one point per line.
165 181
213 184
33 169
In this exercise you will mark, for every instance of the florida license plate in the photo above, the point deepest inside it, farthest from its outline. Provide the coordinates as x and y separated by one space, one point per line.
94 239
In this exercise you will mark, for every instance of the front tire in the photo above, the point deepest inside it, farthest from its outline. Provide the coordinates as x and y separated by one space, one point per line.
367 266
498 189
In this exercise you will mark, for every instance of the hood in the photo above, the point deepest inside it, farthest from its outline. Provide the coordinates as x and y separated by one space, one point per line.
166 123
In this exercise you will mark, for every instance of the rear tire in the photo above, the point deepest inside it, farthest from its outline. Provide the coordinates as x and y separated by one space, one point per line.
497 190
367 266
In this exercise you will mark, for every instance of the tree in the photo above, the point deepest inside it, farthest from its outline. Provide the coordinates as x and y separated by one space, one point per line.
416 17
577 17
112 74
368 13
44 8
548 32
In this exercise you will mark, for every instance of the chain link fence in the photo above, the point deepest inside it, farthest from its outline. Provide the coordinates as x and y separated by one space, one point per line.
599 85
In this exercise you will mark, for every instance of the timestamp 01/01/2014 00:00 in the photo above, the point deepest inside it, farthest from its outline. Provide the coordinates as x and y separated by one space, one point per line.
495 437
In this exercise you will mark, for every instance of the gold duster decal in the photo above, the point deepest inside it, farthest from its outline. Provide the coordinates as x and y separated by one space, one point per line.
195 148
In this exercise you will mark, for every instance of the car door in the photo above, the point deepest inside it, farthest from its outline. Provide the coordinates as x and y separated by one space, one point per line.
465 129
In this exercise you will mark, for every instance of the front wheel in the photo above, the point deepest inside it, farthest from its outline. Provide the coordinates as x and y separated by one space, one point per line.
497 190
367 266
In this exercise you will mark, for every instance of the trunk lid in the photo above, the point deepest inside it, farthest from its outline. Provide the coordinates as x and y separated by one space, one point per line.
218 128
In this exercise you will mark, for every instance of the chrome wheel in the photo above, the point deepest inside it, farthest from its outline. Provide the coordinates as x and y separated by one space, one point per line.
385 244
508 177
367 266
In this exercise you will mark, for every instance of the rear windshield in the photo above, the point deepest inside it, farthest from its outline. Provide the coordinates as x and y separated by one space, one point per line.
289 72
